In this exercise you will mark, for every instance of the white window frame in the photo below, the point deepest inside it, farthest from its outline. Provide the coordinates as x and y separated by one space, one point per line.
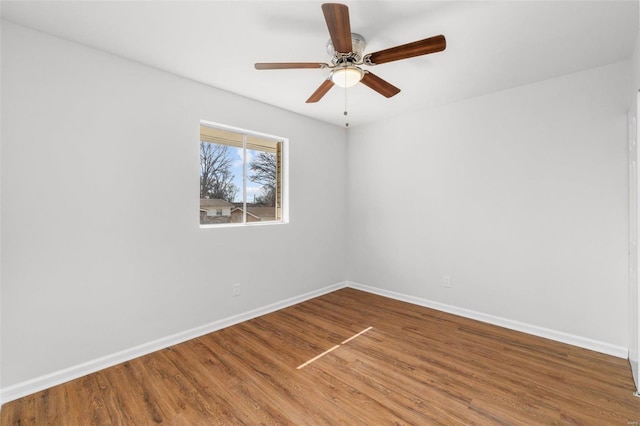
284 176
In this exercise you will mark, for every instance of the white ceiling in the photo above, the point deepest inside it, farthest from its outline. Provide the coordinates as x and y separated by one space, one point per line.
491 46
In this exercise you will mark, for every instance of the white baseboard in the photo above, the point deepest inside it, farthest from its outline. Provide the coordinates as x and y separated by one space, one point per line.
559 336
46 381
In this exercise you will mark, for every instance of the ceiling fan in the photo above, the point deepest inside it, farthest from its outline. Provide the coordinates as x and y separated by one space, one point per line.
346 50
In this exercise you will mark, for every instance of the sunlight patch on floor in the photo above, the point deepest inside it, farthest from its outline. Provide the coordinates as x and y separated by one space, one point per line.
333 348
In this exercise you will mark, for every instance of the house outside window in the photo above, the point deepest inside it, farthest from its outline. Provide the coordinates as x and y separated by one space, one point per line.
242 177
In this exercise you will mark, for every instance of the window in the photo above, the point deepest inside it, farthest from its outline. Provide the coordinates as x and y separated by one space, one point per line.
241 176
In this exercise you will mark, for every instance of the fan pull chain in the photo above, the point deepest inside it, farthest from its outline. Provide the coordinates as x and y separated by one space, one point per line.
345 104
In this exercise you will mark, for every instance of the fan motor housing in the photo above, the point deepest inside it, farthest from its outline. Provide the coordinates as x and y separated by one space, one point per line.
358 43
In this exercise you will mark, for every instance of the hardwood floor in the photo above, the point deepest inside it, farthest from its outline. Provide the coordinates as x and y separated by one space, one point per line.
413 366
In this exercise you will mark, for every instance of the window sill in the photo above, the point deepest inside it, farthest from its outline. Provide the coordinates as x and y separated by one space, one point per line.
241 225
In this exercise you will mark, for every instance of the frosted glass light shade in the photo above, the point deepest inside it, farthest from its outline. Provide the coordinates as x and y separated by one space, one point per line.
347 76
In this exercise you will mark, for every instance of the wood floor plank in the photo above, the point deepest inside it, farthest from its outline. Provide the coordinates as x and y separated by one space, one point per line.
408 365
197 384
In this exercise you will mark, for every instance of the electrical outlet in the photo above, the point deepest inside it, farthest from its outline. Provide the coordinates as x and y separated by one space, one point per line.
236 289
446 281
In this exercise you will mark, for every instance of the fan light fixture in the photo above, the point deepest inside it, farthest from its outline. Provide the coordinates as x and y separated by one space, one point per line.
347 76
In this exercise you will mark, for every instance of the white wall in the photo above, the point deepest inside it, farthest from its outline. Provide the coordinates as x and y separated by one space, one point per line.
520 196
101 248
635 65
0 216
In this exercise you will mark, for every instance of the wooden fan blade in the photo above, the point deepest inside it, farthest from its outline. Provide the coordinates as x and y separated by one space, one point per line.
381 86
417 48
288 65
337 17
321 91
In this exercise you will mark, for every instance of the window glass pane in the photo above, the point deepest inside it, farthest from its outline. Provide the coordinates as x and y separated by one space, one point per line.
234 165
218 183
262 186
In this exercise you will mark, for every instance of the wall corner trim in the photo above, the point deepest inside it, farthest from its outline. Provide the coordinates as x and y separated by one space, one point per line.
558 336
46 381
